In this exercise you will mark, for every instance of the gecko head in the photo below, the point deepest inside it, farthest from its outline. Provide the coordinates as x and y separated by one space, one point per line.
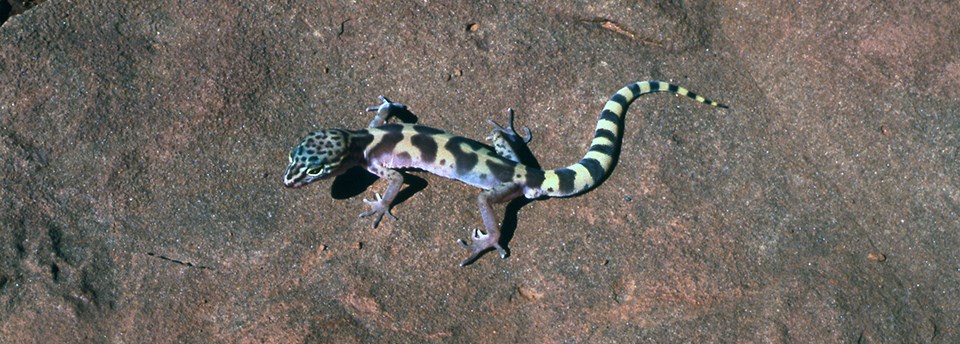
319 155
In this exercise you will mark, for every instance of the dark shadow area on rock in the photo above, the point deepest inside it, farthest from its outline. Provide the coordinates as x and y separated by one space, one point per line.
414 184
6 11
357 180
351 183
510 220
508 226
10 8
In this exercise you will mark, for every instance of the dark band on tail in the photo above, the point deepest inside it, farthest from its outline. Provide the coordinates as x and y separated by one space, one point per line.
599 160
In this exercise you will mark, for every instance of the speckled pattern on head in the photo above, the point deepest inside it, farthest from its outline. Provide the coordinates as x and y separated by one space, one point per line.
316 157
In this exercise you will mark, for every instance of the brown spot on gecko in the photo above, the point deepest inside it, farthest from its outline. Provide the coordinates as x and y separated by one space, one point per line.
465 160
427 146
501 172
386 144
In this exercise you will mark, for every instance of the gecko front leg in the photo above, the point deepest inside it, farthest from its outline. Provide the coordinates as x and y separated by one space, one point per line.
381 206
491 239
386 109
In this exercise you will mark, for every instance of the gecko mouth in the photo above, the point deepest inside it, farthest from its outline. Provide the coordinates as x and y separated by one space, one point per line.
296 181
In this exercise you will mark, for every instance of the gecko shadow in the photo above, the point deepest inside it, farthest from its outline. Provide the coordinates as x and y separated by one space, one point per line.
357 180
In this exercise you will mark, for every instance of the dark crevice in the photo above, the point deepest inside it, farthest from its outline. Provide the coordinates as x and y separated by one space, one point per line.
55 271
5 11
180 262
56 241
10 8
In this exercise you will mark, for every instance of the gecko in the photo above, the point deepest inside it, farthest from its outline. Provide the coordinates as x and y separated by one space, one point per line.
387 149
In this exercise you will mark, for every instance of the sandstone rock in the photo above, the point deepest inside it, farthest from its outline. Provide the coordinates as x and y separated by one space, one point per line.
142 146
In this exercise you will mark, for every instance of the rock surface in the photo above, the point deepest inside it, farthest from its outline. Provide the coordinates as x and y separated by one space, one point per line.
142 146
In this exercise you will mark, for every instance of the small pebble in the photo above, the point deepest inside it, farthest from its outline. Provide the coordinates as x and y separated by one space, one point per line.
876 257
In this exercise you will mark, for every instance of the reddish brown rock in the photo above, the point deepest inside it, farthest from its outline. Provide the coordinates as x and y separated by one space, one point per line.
142 146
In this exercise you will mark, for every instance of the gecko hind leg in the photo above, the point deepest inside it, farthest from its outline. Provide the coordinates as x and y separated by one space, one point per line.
506 139
490 239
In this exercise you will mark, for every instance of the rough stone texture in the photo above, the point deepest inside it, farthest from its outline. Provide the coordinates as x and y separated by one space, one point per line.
142 147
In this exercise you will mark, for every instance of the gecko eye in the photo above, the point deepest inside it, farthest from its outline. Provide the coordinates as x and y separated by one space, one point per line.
316 171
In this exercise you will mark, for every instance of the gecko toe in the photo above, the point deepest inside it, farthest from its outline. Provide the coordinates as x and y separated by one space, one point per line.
482 242
378 210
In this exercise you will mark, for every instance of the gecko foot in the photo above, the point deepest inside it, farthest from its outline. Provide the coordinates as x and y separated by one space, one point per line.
509 131
386 104
481 243
386 109
379 209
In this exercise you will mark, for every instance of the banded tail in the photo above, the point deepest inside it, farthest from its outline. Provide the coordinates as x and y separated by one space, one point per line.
599 160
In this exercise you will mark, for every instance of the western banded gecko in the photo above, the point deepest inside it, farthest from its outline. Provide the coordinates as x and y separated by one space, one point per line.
384 148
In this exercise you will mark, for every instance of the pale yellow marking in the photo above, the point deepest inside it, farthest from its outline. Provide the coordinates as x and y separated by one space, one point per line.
550 181
582 180
645 87
601 141
481 166
520 170
613 127
405 145
613 106
443 153
603 159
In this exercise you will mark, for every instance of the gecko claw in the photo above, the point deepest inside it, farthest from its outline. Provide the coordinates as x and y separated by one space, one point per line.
378 211
481 243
